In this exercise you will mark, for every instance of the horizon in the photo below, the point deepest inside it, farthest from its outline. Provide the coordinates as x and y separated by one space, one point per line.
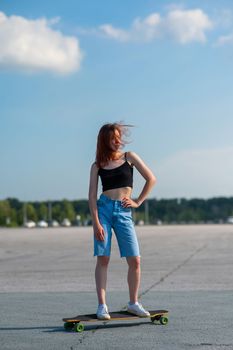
86 199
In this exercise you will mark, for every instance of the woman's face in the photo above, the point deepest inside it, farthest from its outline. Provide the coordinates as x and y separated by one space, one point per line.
115 141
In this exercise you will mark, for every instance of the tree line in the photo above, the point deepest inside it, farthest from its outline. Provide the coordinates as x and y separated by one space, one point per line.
13 212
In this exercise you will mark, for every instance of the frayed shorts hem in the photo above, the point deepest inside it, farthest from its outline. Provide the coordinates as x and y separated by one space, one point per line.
121 256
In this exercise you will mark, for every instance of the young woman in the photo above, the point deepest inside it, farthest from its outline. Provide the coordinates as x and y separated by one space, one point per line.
113 211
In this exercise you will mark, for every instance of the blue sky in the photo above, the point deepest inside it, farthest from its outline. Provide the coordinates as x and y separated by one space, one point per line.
68 67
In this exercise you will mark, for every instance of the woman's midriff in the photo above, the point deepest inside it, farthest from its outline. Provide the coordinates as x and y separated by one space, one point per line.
118 193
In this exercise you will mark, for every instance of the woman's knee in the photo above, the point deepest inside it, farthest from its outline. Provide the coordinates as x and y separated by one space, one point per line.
134 262
103 261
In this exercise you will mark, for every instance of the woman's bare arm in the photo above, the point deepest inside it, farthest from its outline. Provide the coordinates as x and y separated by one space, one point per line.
92 196
148 176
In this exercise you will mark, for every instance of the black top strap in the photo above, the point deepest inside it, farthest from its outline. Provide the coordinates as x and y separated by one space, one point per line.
126 156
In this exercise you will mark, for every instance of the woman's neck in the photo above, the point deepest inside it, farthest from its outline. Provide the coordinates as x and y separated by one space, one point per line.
116 156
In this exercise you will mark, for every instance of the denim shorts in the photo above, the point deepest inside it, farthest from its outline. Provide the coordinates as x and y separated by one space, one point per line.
112 215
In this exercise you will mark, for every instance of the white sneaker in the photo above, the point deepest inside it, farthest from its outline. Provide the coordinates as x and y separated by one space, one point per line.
102 312
137 309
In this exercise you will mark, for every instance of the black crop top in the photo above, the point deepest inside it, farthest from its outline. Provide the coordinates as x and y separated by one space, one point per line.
121 176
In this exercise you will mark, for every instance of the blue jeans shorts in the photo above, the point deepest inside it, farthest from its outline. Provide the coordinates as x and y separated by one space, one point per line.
112 215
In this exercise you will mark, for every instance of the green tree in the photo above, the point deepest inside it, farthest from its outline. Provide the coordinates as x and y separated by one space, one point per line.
31 212
57 211
68 210
42 212
5 213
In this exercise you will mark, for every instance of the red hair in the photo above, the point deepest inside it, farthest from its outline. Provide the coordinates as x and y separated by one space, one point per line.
104 152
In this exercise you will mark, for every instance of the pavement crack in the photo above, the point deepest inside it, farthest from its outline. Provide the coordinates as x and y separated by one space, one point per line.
176 268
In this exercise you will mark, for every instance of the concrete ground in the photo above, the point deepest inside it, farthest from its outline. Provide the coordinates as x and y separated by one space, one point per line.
48 274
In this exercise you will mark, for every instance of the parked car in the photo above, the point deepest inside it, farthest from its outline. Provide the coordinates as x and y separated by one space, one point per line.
230 220
42 224
54 223
66 223
140 223
30 224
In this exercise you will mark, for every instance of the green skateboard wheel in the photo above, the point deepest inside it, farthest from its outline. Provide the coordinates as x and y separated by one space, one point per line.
163 320
79 327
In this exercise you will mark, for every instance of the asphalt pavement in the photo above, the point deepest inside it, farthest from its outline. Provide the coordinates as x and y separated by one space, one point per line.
48 274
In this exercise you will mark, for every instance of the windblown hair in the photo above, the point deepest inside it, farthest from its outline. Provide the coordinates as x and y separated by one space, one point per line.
104 152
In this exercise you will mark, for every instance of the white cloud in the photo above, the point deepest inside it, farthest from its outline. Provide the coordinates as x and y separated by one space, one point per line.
31 45
196 173
188 25
183 26
141 29
225 40
146 29
114 33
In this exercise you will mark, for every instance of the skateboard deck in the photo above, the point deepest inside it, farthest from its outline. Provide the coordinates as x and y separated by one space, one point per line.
75 323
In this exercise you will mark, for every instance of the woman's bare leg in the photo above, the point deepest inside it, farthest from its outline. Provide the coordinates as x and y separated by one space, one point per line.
101 277
134 276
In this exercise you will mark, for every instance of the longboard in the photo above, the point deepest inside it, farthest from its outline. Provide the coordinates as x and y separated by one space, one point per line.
75 323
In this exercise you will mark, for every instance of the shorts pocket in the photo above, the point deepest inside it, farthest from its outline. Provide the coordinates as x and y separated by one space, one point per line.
126 210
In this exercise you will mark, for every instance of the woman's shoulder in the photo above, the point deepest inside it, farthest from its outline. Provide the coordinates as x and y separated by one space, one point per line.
134 158
94 167
131 157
